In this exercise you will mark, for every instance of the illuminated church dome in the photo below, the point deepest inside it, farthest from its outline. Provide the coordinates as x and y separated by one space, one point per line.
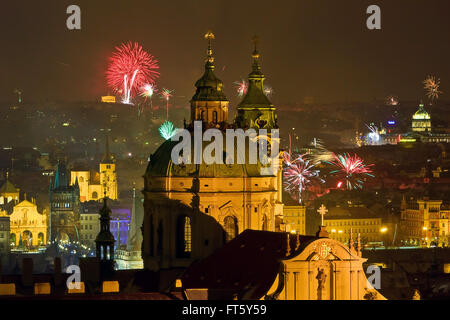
191 209
421 120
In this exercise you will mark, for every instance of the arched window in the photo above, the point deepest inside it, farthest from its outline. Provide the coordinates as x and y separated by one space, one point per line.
214 115
184 237
12 239
41 239
231 227
94 195
81 179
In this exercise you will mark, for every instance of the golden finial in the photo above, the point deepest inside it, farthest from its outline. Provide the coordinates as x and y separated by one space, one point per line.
209 36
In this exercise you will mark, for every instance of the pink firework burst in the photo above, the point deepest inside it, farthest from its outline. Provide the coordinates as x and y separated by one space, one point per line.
351 169
241 87
130 68
298 174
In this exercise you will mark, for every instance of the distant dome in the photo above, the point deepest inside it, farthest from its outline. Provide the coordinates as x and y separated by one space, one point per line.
421 114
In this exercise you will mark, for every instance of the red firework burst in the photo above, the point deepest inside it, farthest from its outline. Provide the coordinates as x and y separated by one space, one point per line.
130 68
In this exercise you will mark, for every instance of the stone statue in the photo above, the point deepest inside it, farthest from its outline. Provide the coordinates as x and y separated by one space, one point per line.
321 279
416 295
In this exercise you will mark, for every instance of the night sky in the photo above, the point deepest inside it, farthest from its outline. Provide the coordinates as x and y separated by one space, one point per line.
318 48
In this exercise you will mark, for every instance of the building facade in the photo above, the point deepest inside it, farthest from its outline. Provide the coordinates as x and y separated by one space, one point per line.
89 228
5 243
294 218
424 222
28 227
92 184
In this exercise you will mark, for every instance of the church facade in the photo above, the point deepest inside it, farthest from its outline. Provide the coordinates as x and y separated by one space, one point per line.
93 184
28 227
213 202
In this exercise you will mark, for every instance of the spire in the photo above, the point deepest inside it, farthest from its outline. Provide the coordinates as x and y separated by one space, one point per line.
255 55
61 176
105 240
256 96
209 87
107 156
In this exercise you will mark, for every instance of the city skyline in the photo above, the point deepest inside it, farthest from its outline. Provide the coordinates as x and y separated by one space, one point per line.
329 52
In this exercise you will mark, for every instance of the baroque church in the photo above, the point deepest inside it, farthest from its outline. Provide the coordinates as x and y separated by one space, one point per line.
214 202
93 184
223 216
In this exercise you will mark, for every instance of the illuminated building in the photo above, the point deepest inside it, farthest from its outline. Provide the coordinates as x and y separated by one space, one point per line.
295 218
296 267
421 130
93 184
421 120
424 222
120 222
205 200
109 99
89 228
28 227
64 207
131 256
344 223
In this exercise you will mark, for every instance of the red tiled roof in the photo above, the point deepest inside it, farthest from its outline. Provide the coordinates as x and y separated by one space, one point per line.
246 266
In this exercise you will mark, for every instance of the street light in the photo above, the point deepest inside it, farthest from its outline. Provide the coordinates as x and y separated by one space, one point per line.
383 230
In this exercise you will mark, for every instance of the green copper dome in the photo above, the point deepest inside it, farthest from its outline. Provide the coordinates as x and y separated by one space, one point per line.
161 164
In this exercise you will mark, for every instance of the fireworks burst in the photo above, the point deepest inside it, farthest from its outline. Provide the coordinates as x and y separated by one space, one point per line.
241 87
320 153
298 175
373 137
351 169
167 94
268 90
148 90
130 69
167 130
431 86
392 100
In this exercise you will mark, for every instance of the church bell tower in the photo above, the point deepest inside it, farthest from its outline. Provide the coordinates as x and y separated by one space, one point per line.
209 103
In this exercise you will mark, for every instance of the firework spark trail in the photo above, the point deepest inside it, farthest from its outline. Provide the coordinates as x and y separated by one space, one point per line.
167 94
130 68
320 153
147 92
268 90
241 87
298 175
431 86
352 169
373 137
392 100
167 130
